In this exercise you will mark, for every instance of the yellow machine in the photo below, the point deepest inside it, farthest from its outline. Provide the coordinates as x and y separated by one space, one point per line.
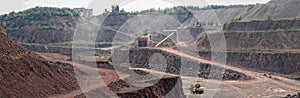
197 89
98 59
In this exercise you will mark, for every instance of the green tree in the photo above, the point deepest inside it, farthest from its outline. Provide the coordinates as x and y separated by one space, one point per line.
270 17
235 19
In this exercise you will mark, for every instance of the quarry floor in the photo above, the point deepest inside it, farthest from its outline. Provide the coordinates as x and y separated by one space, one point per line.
261 86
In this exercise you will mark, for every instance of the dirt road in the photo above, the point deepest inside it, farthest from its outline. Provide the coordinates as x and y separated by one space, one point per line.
260 86
108 76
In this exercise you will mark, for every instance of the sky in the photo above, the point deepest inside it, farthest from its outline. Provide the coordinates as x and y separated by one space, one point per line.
99 5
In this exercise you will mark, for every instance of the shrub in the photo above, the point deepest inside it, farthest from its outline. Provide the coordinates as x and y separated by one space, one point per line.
235 19
270 17
169 43
251 6
14 57
45 26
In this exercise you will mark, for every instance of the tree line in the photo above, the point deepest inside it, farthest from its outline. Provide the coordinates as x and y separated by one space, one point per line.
177 10
38 13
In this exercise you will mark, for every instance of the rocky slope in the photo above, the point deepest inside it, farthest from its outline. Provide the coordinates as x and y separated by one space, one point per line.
275 8
270 45
219 16
25 74
264 25
258 35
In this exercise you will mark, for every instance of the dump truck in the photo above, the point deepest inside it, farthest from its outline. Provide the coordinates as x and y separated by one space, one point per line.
197 89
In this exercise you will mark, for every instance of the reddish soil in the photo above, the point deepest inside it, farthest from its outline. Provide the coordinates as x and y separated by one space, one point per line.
108 75
261 85
25 74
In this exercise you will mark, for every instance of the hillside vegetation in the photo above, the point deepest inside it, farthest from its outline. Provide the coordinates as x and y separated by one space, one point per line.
178 10
41 25
38 13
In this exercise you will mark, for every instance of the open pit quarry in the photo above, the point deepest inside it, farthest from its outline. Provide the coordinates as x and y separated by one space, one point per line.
39 57
259 84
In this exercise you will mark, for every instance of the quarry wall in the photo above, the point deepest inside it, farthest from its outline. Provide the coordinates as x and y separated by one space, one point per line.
270 45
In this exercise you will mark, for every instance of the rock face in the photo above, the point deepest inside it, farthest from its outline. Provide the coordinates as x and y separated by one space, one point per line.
264 25
141 58
25 74
253 40
257 35
270 45
283 63
275 8
60 29
167 87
